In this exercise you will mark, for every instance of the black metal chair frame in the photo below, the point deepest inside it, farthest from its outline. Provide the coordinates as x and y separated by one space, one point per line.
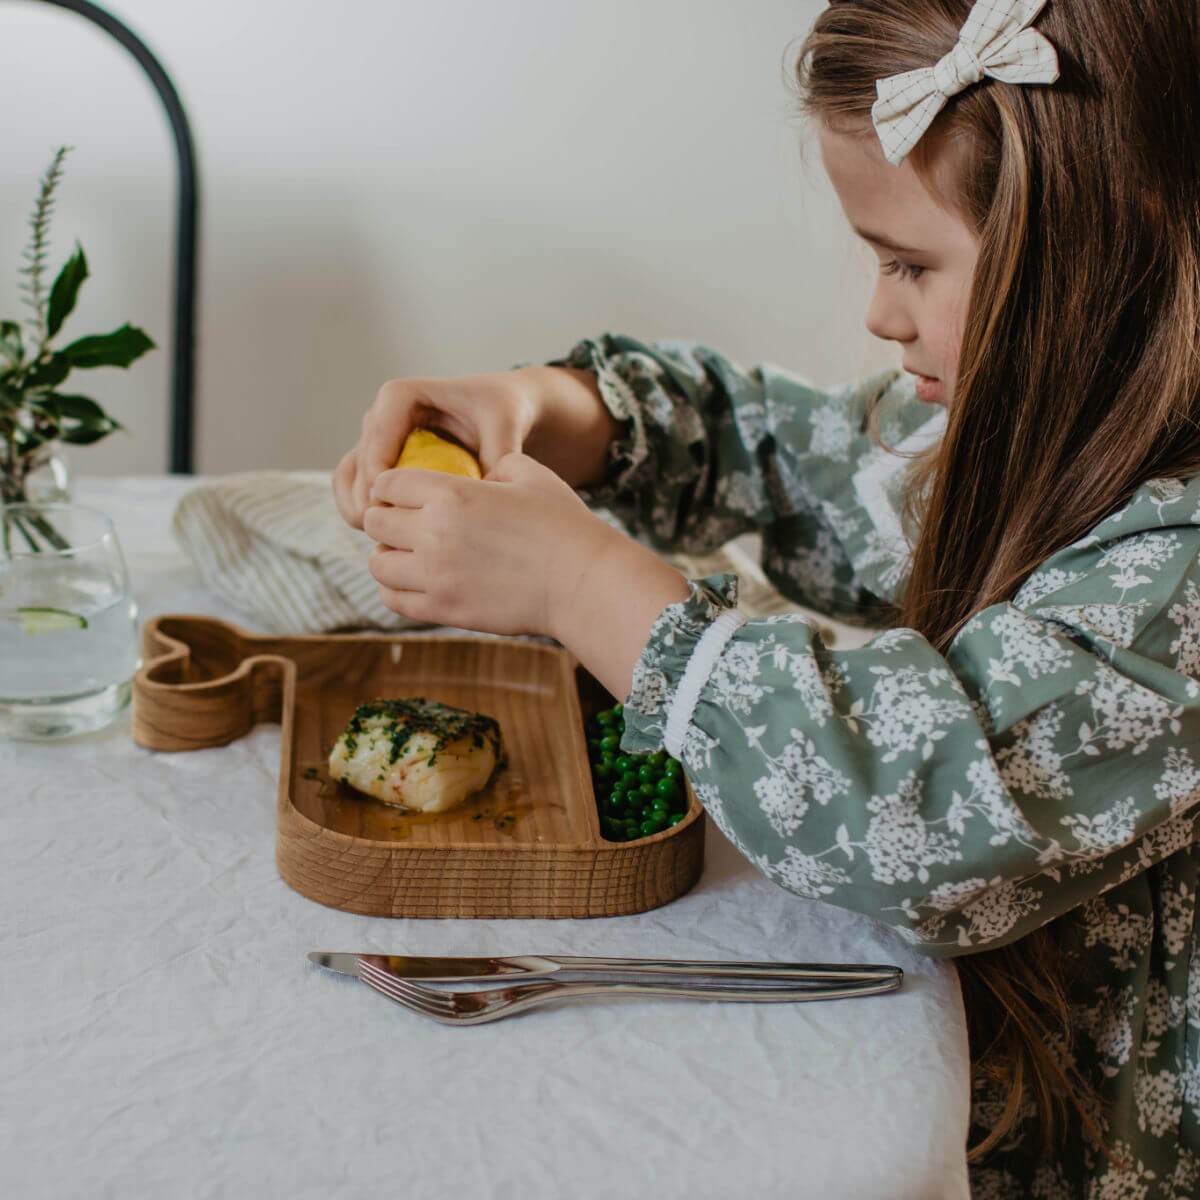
183 368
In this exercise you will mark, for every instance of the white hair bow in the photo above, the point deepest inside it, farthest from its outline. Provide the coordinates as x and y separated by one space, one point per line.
994 41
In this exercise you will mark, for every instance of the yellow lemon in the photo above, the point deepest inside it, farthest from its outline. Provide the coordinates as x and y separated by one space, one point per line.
424 448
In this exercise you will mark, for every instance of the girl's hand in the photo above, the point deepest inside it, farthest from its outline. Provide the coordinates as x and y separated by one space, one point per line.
490 414
518 552
505 554
553 414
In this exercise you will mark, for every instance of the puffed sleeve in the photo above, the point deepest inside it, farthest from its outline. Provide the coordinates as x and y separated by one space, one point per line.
709 450
963 799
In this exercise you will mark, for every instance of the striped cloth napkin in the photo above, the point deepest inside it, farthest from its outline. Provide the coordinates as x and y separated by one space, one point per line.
272 545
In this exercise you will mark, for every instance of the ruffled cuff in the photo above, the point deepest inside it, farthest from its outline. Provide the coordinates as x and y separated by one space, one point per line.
684 644
629 451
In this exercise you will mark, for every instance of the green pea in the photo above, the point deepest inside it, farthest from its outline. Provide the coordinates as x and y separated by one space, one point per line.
618 709
672 821
611 742
625 763
646 789
603 770
659 758
594 744
605 717
630 780
672 768
668 789
647 773
650 827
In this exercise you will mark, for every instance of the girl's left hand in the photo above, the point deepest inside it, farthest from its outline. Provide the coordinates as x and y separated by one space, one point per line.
505 554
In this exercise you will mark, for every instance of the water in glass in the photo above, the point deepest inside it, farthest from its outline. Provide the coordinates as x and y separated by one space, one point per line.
68 624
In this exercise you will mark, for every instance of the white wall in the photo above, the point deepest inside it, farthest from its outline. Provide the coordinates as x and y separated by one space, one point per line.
402 187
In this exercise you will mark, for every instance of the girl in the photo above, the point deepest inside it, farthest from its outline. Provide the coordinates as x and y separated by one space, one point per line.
1008 775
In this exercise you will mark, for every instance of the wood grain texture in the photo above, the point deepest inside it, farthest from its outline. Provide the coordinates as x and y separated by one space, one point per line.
528 846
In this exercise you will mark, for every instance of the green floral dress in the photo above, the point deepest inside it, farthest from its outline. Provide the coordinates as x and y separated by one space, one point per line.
1044 769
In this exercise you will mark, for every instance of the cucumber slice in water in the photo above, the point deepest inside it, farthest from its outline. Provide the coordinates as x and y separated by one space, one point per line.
49 620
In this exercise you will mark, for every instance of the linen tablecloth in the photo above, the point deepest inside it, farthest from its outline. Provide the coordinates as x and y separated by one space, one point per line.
164 1035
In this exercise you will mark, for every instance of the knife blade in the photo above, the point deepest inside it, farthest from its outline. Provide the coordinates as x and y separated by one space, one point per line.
529 966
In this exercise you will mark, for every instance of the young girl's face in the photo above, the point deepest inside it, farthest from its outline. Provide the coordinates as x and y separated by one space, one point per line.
926 254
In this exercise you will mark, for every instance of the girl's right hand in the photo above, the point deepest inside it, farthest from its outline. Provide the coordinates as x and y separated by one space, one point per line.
490 414
553 414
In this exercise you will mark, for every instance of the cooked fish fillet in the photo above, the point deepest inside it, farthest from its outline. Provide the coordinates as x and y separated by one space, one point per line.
417 753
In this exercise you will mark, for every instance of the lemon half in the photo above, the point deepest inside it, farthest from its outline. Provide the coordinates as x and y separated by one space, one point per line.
424 448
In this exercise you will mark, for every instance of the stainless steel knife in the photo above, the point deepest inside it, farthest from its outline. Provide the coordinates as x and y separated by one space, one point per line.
530 966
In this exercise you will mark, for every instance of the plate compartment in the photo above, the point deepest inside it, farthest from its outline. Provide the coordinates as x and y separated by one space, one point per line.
530 846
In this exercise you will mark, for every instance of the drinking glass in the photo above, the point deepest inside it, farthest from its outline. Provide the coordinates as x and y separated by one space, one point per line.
68 624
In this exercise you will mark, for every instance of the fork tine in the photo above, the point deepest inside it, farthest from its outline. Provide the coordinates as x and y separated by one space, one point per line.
368 971
425 1000
454 1007
413 1005
365 964
418 1000
376 986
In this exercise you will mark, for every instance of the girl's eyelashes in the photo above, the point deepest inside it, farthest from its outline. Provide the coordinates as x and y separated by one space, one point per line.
904 269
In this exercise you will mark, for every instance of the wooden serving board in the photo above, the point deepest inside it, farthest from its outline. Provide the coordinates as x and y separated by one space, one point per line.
528 846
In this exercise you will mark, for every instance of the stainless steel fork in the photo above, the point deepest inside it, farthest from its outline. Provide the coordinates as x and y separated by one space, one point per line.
478 1006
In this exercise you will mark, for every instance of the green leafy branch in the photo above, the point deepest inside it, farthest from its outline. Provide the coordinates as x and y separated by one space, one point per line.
34 408
37 251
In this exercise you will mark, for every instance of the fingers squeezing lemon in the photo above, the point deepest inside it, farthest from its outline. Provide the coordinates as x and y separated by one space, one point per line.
424 448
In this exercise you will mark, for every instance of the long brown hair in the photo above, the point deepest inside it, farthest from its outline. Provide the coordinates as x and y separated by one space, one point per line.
1079 370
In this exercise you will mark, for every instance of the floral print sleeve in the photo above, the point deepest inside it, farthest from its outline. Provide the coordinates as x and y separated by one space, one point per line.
710 450
965 799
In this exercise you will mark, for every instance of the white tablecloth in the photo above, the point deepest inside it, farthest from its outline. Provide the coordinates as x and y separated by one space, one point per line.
165 1037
